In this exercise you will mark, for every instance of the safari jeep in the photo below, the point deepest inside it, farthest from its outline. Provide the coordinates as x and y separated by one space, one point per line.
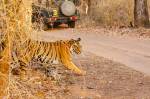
56 13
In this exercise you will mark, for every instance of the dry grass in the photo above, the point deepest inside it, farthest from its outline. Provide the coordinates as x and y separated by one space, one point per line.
118 12
15 16
15 26
108 12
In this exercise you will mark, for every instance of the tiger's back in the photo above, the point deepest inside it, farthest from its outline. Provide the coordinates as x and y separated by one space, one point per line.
51 52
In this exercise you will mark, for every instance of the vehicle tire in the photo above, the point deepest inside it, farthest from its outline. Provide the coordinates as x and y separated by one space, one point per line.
71 24
68 8
44 26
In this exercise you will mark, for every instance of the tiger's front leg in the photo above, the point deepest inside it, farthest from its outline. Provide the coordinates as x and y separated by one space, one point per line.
70 65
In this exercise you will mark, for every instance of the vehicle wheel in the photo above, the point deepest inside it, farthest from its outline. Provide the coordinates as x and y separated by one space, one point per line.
44 26
71 24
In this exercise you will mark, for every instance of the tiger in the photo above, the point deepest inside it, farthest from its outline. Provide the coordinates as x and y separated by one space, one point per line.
48 52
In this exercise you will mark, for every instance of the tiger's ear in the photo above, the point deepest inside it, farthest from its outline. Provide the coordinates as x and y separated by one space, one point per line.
79 39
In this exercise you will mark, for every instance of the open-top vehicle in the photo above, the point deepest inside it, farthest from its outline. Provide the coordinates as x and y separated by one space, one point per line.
58 12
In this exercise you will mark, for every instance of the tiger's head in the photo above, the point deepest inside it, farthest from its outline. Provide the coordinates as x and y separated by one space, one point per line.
75 46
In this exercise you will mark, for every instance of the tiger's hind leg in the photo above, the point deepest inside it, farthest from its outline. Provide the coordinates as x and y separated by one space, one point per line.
70 65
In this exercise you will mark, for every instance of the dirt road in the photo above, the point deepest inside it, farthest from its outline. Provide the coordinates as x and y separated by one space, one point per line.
132 52
126 77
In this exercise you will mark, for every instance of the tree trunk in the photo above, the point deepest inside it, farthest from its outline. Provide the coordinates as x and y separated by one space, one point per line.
17 25
141 17
89 6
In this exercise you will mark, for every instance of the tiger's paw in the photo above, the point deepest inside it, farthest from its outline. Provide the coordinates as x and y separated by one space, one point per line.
81 73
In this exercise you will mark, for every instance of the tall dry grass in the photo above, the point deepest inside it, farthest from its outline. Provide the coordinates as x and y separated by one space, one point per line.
108 12
15 25
117 12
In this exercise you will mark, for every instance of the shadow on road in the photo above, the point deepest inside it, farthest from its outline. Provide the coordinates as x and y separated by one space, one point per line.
60 27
